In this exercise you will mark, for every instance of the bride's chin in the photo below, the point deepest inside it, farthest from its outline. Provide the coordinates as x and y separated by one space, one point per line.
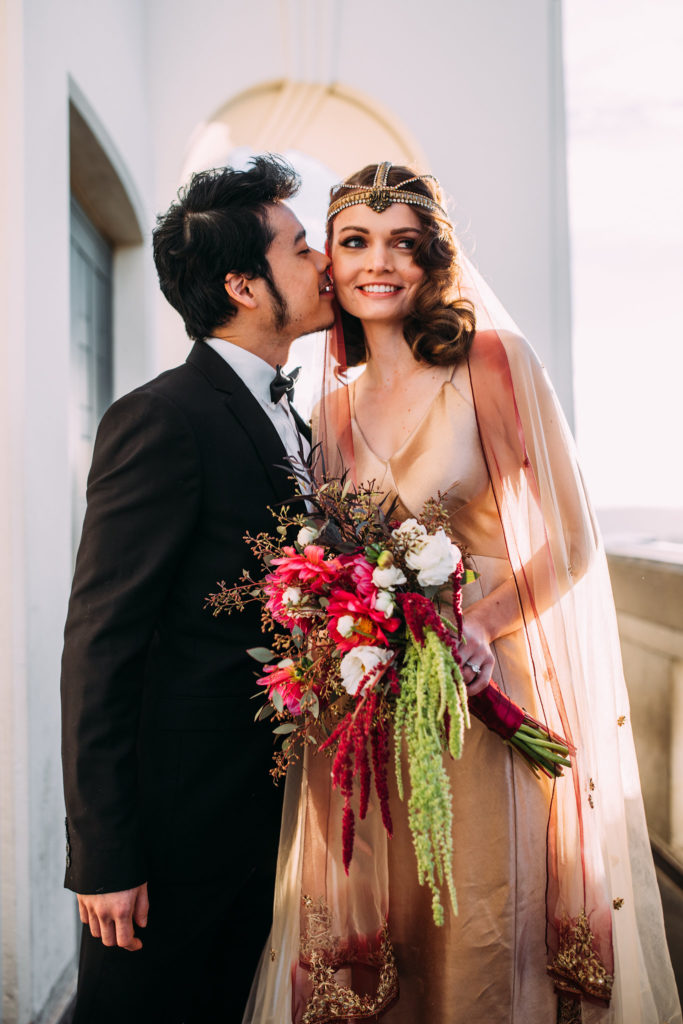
374 316
381 318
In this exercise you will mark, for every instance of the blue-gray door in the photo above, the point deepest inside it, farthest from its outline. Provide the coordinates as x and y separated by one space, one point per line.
91 350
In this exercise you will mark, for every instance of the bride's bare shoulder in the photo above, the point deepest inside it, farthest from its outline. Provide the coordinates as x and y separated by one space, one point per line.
517 348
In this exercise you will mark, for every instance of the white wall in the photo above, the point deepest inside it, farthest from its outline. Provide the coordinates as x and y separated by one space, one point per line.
101 48
477 84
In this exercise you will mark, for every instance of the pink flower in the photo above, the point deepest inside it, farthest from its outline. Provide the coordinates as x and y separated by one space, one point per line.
309 569
284 678
369 624
296 579
361 574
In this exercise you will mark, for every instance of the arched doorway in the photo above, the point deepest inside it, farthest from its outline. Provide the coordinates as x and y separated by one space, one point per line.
105 234
326 132
338 126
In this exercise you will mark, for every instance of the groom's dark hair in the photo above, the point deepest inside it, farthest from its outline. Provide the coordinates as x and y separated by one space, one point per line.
217 226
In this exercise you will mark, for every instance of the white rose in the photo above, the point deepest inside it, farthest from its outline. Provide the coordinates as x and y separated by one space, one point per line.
434 559
345 625
384 603
358 662
291 596
387 579
306 536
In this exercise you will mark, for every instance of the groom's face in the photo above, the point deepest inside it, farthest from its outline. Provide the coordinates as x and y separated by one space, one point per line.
300 294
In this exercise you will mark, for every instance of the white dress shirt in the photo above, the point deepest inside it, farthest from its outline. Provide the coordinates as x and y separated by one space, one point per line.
257 374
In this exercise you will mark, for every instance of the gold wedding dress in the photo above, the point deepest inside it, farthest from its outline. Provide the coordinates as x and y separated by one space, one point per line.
549 876
487 963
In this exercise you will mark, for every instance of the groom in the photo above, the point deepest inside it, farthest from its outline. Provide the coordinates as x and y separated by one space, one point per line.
172 817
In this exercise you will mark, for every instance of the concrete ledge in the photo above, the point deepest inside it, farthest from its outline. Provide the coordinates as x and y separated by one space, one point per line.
652 636
647 588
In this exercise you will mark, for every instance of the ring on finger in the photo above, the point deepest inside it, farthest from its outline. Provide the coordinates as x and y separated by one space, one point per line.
475 668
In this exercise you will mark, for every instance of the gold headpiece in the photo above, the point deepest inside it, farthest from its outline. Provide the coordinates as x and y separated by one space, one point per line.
379 195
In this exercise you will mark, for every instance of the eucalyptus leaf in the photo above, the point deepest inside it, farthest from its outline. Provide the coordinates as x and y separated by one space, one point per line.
309 702
264 712
261 654
284 729
277 701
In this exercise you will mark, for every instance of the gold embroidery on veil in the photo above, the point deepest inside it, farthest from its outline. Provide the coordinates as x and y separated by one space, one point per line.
323 954
577 968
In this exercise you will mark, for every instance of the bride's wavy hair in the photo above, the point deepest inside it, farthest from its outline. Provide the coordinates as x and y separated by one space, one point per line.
441 326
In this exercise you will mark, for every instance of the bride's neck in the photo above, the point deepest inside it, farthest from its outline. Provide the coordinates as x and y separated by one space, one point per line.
390 360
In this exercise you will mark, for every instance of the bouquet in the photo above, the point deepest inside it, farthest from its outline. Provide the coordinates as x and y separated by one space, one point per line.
363 658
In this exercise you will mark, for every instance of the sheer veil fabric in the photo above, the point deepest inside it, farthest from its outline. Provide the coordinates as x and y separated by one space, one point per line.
329 955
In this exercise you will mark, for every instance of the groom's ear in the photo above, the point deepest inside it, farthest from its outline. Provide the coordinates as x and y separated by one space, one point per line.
240 290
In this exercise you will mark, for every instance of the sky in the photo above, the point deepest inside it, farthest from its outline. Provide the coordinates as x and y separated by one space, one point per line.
624 80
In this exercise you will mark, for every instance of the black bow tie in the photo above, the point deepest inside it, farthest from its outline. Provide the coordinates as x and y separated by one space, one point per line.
283 384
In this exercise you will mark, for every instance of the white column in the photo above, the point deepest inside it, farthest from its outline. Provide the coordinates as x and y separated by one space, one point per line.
15 959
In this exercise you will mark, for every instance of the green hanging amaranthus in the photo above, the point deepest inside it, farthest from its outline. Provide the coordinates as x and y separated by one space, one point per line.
431 717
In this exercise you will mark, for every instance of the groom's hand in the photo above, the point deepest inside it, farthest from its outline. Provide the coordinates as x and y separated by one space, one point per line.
110 915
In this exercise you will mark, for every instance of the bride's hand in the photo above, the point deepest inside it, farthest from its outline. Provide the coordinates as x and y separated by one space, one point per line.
476 654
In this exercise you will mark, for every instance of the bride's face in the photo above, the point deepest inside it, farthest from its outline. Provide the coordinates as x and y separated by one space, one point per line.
375 275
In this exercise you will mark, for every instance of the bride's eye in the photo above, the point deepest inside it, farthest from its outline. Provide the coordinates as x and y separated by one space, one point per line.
406 243
354 242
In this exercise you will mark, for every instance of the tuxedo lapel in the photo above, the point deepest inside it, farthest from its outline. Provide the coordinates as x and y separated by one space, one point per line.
304 427
249 414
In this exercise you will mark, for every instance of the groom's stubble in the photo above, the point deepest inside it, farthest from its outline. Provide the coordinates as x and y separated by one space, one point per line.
282 321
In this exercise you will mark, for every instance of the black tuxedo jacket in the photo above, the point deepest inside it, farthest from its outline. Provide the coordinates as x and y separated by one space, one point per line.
165 773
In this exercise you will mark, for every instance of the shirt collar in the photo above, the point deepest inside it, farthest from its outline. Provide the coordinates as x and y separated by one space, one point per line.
254 371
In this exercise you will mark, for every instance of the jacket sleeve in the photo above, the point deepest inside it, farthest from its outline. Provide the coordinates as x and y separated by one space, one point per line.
142 504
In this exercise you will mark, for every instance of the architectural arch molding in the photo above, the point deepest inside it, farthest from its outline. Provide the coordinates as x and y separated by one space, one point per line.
99 177
335 124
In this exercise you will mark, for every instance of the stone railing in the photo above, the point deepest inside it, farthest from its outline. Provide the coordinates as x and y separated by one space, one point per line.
648 591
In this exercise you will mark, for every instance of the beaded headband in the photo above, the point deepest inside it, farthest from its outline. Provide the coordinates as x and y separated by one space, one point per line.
379 195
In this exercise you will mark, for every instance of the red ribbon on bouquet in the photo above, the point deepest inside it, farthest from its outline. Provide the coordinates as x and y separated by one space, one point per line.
497 711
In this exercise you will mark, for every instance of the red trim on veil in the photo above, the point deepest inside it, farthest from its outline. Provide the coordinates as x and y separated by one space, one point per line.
503 441
496 411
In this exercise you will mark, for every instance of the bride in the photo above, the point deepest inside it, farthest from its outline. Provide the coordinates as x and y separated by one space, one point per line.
558 909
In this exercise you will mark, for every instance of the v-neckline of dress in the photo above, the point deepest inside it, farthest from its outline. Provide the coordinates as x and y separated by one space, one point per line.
413 432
